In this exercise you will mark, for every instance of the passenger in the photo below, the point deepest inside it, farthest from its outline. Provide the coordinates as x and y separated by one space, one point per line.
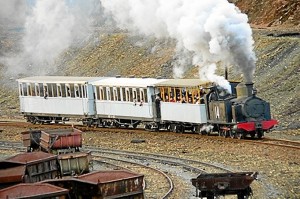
166 98
183 100
157 103
197 101
172 99
190 100
202 92
45 94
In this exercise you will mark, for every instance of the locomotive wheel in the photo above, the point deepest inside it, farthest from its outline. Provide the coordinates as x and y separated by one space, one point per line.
260 134
232 134
240 136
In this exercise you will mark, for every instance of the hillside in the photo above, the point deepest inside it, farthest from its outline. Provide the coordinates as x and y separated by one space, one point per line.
117 53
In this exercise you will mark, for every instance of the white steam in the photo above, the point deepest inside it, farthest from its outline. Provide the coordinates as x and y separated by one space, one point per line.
213 31
49 28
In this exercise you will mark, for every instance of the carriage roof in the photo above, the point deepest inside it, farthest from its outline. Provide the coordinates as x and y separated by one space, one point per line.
127 82
56 79
183 83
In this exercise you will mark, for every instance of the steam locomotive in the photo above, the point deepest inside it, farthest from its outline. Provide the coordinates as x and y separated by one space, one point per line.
177 105
240 113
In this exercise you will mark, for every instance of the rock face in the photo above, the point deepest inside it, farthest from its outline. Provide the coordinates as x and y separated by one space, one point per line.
266 13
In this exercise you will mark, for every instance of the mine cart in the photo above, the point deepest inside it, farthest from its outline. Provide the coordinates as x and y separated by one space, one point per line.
61 140
216 184
37 166
114 184
74 163
34 190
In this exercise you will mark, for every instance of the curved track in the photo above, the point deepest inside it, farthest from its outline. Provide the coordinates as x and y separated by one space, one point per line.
151 175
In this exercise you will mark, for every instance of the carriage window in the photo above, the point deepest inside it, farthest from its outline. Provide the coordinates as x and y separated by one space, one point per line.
145 96
41 89
142 95
80 91
128 91
135 95
108 94
45 90
111 94
72 90
123 94
104 93
68 90
29 89
76 90
101 97
20 89
119 94
97 92
50 90
115 94
54 90
59 91
83 91
37 90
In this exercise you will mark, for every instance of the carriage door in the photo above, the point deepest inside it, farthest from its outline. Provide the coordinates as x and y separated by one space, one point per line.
90 99
108 98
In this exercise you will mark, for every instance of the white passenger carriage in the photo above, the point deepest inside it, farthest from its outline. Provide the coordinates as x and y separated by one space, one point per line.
182 104
45 99
125 101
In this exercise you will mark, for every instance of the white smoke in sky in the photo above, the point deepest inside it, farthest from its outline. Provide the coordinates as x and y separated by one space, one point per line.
213 31
49 28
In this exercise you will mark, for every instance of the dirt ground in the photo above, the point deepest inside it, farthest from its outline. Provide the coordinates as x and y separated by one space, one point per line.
278 167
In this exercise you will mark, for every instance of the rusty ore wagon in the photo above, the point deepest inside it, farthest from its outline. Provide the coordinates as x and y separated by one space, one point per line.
104 185
216 184
28 168
53 141
34 191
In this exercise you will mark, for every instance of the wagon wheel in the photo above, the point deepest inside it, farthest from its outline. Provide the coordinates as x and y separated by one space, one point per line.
252 135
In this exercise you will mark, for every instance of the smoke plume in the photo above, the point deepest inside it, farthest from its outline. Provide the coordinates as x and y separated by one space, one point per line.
213 31
49 27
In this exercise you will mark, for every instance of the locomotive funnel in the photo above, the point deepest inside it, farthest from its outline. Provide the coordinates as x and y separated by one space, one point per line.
249 86
244 89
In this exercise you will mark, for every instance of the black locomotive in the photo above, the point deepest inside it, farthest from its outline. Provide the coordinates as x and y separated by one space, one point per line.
239 113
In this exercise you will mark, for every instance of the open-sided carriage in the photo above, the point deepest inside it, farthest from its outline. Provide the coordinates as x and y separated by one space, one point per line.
216 184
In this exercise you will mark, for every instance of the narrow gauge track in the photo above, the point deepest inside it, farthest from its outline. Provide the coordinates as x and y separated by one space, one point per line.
8 145
152 175
276 142
187 164
264 141
179 170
